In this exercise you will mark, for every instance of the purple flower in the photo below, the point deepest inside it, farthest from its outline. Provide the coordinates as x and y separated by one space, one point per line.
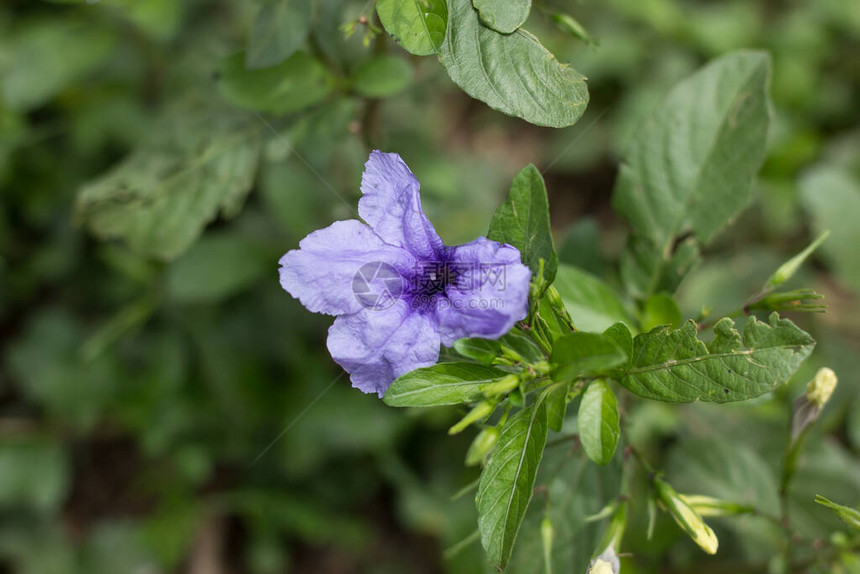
396 289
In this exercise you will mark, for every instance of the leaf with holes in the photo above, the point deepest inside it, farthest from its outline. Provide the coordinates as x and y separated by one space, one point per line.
676 367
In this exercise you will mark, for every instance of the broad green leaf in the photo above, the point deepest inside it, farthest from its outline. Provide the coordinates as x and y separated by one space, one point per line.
690 166
442 384
511 73
382 77
35 472
675 366
832 197
482 350
296 83
161 197
216 267
523 345
523 221
592 304
598 422
646 271
556 406
848 515
46 56
280 28
507 481
580 247
576 488
582 354
417 25
620 334
503 16
660 309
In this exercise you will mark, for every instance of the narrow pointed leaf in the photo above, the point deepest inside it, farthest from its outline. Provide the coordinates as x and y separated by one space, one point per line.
511 73
442 384
556 406
675 366
523 221
598 422
507 482
481 350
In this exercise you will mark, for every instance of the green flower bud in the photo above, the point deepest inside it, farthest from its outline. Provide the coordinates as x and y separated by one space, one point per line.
707 506
481 411
821 387
502 386
482 445
687 518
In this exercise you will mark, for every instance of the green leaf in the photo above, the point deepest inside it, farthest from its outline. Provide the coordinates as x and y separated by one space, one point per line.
44 57
442 384
691 165
513 73
35 472
481 350
417 25
832 197
675 366
660 309
382 77
280 28
293 85
508 479
582 354
620 334
592 304
523 221
523 345
848 515
161 197
216 267
598 422
556 406
503 16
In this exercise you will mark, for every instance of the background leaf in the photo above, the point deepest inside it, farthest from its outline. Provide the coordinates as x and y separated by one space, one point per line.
507 481
598 422
523 221
675 366
503 16
511 73
582 354
296 83
417 25
382 77
161 196
280 28
592 304
442 384
691 164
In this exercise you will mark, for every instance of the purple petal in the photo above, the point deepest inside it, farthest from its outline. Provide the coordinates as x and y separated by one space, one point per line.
322 272
377 346
490 293
391 205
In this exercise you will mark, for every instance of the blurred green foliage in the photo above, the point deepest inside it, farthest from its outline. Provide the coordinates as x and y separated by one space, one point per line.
165 407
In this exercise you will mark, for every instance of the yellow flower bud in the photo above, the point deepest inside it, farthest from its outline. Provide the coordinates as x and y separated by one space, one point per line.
687 518
600 567
820 388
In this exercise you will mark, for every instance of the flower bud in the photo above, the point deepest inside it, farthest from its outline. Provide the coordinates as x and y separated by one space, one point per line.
502 386
481 411
606 563
707 506
821 387
687 518
482 445
547 535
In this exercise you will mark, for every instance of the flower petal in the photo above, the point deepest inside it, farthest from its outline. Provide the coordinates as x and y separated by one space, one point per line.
327 272
377 346
391 205
490 293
